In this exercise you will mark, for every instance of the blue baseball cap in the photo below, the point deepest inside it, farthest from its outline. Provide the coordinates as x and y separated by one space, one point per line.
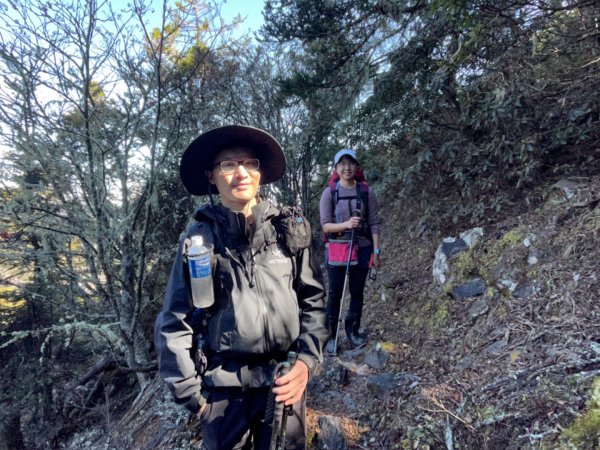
344 152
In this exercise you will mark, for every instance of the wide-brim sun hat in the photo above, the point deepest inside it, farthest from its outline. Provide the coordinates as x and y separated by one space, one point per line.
198 157
344 152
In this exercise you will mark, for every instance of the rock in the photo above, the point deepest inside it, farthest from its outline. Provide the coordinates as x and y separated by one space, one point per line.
452 246
378 358
408 378
525 289
472 236
349 402
391 280
332 396
354 353
440 266
506 285
569 188
333 373
479 307
466 363
341 375
532 257
363 370
449 248
578 191
332 435
381 386
470 289
350 365
407 382
495 347
317 384
529 240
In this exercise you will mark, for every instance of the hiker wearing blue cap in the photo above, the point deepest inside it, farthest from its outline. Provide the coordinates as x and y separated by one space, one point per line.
350 220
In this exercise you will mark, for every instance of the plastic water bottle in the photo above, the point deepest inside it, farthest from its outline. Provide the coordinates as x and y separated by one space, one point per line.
199 262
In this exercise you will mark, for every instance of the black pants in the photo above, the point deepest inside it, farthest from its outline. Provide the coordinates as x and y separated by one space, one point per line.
233 419
357 277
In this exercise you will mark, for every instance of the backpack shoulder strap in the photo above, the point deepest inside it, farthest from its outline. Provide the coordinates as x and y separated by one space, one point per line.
365 199
333 188
364 193
205 228
359 195
335 196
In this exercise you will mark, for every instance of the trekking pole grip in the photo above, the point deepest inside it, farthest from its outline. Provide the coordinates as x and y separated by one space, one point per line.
279 411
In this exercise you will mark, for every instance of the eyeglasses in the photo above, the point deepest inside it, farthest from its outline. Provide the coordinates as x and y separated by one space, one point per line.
230 166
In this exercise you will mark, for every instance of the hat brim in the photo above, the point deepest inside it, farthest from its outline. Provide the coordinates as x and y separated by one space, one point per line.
198 157
345 152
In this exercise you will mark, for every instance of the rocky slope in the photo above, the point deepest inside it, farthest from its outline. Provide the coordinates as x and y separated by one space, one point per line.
513 363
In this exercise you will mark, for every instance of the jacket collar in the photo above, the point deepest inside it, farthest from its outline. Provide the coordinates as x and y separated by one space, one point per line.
234 221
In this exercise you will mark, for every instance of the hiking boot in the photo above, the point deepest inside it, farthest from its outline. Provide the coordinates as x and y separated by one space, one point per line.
356 327
330 347
351 327
356 341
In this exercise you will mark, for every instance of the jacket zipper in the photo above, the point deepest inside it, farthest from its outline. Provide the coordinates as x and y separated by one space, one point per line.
252 282
230 298
262 306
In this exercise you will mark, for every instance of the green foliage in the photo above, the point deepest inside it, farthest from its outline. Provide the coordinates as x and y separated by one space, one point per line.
465 108
512 238
460 108
92 207
430 315
465 265
584 431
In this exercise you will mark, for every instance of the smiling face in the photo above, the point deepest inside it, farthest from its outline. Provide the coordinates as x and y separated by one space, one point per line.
346 169
237 189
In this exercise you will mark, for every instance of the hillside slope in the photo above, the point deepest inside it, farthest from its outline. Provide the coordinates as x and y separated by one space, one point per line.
512 367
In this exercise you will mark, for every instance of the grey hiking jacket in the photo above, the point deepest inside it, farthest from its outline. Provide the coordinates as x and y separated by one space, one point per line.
266 303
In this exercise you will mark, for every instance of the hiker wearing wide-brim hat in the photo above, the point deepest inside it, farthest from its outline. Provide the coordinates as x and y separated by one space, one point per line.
197 160
258 285
349 216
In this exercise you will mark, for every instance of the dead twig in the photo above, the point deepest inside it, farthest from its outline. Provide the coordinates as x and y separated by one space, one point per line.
537 436
497 419
443 409
527 374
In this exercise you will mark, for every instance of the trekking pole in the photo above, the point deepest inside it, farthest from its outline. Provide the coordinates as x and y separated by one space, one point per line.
278 412
355 213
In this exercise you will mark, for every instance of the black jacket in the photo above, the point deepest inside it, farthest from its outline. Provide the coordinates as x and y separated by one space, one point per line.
266 303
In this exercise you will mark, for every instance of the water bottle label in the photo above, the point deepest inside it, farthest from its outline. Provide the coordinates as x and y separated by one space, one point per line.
200 268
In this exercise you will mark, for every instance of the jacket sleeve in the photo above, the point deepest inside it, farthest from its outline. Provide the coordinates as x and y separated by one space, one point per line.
314 331
374 217
173 338
326 208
